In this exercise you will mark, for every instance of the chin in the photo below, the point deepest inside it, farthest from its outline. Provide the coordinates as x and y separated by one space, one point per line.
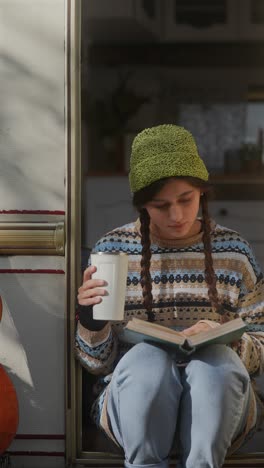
176 235
179 233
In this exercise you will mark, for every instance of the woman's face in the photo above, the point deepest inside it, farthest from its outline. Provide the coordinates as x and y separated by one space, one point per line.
173 211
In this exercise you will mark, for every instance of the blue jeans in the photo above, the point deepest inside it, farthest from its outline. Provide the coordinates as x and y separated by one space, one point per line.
149 395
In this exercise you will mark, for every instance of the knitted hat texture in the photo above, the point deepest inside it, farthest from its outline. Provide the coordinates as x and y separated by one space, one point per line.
164 151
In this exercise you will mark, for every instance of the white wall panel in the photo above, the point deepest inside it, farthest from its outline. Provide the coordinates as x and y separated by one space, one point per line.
32 141
32 161
36 303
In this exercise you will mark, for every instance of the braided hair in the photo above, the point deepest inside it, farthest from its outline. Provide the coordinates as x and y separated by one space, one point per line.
139 199
145 278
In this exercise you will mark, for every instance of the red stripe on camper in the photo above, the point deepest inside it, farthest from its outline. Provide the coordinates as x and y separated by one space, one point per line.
42 271
34 453
48 212
40 436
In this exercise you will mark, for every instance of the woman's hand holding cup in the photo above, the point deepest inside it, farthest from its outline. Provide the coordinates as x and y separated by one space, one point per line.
113 267
91 291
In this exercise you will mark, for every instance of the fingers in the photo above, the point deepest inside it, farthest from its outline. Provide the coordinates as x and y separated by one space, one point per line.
88 281
91 284
91 291
91 297
188 332
88 273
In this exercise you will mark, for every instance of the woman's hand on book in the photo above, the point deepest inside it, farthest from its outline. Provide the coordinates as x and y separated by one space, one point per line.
199 327
90 292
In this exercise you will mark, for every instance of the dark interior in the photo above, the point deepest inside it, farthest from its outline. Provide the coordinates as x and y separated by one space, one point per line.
135 53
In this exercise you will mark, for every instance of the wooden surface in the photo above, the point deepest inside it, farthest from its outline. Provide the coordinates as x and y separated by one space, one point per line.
95 441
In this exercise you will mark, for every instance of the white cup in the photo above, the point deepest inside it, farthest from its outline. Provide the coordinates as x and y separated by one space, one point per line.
111 267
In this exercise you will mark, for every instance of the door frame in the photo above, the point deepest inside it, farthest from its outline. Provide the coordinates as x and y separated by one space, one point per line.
73 384
73 212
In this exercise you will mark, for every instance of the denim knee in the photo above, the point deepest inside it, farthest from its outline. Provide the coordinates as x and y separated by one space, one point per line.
214 404
143 404
145 364
223 361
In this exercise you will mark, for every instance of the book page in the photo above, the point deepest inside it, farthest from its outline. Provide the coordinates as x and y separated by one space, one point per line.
225 329
155 330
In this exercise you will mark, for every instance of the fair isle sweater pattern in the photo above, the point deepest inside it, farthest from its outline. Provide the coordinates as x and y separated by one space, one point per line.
180 297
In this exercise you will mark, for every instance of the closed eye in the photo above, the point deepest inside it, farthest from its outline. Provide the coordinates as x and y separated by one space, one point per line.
186 200
161 207
166 206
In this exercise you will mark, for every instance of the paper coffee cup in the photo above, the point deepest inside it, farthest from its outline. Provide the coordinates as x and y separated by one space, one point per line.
111 267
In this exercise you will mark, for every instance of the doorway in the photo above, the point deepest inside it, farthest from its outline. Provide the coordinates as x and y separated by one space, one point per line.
130 81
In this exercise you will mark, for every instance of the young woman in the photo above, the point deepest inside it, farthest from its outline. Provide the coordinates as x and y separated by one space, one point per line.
185 272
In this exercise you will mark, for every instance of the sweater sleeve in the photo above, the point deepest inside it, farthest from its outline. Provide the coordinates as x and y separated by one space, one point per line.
96 350
95 341
251 309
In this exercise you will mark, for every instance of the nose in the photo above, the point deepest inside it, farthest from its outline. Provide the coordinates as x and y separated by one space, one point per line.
175 214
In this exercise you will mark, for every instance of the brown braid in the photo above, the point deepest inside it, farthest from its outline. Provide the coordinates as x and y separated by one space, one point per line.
145 279
210 276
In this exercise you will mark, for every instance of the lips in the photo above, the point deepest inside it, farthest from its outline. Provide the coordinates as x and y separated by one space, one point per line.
176 226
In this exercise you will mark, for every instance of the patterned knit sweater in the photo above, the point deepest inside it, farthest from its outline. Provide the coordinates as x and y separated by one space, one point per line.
180 299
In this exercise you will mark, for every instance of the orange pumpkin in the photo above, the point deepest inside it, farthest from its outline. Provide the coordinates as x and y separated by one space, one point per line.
8 410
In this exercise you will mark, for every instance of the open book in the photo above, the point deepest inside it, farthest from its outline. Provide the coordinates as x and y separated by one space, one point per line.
138 330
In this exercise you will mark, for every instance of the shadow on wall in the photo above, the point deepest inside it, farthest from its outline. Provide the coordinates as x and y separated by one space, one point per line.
32 106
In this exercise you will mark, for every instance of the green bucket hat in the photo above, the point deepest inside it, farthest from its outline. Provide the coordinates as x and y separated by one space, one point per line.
164 151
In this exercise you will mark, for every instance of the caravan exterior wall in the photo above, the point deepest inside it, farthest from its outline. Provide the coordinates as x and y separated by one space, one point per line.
32 191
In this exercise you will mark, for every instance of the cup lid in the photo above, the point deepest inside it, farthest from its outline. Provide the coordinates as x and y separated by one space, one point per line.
108 253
